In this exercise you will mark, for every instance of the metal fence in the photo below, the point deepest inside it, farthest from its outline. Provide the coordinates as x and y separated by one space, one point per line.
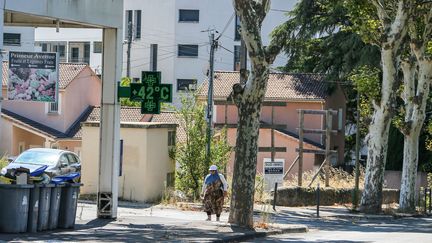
425 200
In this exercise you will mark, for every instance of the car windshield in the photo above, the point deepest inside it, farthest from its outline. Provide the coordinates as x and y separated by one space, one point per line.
37 158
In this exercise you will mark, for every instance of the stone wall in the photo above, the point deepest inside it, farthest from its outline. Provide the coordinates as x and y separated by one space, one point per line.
301 196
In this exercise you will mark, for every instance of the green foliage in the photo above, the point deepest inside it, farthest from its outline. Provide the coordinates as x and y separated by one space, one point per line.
191 154
125 82
367 81
3 162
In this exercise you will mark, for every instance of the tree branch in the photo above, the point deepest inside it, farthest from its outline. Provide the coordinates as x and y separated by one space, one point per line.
428 27
382 14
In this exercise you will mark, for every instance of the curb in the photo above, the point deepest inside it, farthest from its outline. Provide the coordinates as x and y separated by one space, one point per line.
259 234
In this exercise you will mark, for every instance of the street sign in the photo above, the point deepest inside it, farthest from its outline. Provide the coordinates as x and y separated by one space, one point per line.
150 92
273 172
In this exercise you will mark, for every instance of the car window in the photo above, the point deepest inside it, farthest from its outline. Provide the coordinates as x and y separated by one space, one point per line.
37 158
64 159
72 159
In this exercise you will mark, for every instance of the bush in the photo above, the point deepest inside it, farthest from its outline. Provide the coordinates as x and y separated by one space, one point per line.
191 154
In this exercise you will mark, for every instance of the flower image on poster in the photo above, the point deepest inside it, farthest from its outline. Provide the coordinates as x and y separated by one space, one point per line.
33 76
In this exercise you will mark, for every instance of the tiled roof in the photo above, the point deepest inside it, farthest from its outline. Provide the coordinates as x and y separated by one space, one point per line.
67 73
127 114
280 86
171 117
74 131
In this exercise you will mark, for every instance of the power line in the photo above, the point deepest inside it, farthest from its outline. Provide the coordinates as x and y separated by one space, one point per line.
226 26
280 10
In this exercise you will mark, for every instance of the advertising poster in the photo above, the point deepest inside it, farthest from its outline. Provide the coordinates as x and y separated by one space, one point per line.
33 76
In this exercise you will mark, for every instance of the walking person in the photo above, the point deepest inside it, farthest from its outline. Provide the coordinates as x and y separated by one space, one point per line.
213 191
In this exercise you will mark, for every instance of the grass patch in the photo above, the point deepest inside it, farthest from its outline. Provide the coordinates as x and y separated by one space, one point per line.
338 179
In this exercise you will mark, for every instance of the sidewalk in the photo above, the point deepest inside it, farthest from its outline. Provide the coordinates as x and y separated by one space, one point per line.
145 223
341 212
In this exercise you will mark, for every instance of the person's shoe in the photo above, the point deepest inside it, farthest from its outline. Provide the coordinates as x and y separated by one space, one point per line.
217 219
208 218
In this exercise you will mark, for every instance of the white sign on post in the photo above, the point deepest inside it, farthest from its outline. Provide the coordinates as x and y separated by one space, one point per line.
273 172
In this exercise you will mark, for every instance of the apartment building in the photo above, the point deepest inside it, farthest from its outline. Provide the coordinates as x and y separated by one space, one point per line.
167 36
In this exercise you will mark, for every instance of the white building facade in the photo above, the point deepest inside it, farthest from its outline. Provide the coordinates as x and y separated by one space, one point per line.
167 36
18 39
175 33
73 45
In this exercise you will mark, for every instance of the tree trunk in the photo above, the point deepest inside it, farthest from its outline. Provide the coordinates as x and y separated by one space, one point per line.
377 137
415 116
409 173
241 210
248 98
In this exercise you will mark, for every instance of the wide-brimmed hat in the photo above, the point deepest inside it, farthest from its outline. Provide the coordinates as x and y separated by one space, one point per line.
213 167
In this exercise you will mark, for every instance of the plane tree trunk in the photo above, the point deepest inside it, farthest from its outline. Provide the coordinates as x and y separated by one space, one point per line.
394 30
248 99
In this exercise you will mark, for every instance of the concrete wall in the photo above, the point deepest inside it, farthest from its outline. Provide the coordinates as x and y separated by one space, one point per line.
392 179
145 162
300 196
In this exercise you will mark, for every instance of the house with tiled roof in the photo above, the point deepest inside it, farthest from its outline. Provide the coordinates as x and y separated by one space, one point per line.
285 95
40 124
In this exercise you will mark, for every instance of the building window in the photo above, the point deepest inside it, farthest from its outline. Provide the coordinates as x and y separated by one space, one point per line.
44 47
137 24
237 27
53 107
188 15
11 39
153 57
186 84
62 50
97 47
128 19
171 138
188 50
236 58
21 147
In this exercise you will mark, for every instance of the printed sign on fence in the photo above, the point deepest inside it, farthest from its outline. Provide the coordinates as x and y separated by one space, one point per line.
33 76
273 172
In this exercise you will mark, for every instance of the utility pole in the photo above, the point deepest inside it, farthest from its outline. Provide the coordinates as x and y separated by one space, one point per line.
357 152
243 62
129 43
213 46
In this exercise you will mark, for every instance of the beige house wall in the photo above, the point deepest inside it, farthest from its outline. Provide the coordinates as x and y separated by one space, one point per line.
6 137
85 90
29 139
283 115
281 140
146 161
338 101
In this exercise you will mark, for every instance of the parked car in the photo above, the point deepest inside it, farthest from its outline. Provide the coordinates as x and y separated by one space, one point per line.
58 162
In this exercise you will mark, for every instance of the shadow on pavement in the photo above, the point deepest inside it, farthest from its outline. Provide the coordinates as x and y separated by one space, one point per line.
102 230
412 225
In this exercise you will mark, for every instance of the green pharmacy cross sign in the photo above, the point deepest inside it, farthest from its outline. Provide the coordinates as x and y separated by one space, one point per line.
150 92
